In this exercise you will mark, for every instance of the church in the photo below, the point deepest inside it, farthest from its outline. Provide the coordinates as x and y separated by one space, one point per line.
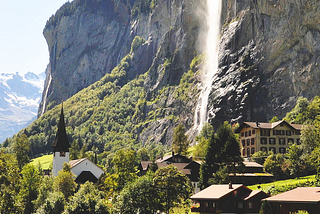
84 169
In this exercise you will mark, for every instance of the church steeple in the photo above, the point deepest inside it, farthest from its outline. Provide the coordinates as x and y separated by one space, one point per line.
61 142
60 146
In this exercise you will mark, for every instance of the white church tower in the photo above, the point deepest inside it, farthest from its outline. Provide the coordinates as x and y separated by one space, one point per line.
60 146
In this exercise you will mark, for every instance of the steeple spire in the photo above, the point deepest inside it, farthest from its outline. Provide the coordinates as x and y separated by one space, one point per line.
61 142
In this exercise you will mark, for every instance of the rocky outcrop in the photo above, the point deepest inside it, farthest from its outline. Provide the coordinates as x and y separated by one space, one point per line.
269 53
87 39
269 56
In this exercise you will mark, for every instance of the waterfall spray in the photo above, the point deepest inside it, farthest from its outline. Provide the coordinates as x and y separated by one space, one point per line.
46 94
213 15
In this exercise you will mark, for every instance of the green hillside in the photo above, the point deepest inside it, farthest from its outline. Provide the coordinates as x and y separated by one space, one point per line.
111 113
45 161
285 185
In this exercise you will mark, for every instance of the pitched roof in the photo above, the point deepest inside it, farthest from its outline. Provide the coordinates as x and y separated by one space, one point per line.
216 191
258 125
61 142
300 194
252 164
73 163
254 193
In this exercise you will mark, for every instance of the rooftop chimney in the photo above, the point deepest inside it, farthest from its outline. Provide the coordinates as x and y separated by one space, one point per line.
257 123
172 153
230 185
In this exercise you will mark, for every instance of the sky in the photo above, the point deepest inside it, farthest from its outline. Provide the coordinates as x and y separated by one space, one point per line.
22 45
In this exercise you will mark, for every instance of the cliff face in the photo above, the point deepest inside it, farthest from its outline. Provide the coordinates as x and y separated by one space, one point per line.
269 53
269 56
87 39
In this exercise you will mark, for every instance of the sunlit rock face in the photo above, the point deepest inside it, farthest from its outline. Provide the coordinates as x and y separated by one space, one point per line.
269 56
86 41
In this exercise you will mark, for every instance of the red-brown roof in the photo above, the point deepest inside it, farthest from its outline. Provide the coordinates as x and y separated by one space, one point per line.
300 194
216 191
73 163
259 125
254 193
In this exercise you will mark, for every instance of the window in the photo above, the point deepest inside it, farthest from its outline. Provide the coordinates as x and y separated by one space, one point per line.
242 134
275 132
250 205
243 143
272 149
248 151
250 133
213 204
263 140
265 132
240 204
252 141
252 150
282 141
62 154
243 152
282 150
248 142
263 149
298 133
282 132
253 131
288 132
206 204
235 193
246 134
272 141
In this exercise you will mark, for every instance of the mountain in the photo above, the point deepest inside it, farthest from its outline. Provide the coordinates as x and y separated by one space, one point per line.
19 101
130 71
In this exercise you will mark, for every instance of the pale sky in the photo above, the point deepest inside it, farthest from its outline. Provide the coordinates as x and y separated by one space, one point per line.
22 45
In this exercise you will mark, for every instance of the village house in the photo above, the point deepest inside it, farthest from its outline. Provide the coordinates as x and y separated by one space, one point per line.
301 198
253 173
228 198
184 164
83 168
275 137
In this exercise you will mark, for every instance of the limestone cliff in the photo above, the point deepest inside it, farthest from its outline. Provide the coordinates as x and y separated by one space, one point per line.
269 53
269 56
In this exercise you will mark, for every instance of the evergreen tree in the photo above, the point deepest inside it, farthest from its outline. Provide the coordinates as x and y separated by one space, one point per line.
21 148
31 179
180 141
223 150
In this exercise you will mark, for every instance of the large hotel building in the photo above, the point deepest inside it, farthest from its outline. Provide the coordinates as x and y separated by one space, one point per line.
276 137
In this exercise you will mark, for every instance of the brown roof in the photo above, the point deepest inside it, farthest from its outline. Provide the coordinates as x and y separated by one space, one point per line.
145 164
252 164
254 193
258 125
300 194
73 163
216 191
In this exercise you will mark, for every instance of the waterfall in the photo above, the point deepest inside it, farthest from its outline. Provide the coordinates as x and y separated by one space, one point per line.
46 93
213 15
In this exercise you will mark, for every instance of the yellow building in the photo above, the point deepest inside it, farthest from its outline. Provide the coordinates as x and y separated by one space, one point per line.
276 137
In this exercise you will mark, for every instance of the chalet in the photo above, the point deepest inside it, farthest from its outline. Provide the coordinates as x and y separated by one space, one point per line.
184 164
275 137
301 198
253 174
229 198
83 168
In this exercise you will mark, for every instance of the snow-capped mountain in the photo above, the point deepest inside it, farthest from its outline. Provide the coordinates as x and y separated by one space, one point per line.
19 101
